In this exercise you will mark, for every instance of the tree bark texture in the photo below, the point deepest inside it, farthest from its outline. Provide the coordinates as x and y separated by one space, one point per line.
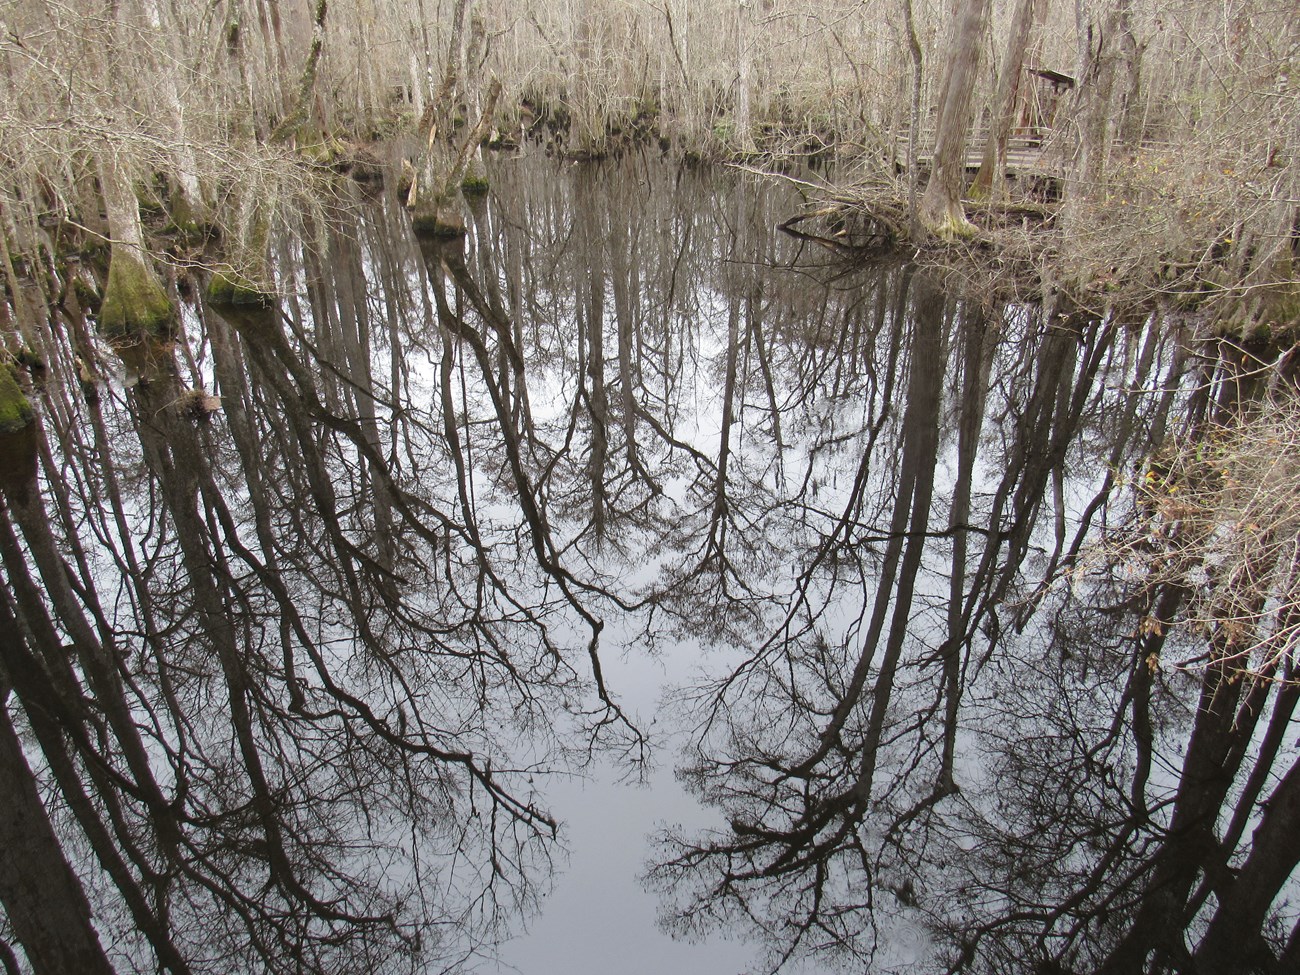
941 209
989 179
41 896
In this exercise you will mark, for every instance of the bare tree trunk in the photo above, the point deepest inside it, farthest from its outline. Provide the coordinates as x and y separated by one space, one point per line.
268 15
941 209
433 193
1095 109
989 179
41 896
298 114
473 179
914 118
744 71
1082 38
188 208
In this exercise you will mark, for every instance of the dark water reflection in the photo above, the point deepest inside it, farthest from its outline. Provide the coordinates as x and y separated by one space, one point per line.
331 633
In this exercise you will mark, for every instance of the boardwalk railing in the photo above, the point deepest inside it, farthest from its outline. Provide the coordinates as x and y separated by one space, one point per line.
1025 152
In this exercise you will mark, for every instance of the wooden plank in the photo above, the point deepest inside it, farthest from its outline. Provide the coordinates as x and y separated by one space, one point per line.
1025 154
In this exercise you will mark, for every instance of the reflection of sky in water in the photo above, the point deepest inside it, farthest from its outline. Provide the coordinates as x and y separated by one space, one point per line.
937 459
879 386
599 918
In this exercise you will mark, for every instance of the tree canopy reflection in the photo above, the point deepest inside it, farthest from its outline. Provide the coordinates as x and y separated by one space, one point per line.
306 599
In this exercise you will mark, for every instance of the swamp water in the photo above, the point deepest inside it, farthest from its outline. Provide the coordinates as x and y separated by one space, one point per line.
627 481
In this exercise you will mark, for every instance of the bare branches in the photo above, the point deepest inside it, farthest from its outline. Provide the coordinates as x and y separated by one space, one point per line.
1220 523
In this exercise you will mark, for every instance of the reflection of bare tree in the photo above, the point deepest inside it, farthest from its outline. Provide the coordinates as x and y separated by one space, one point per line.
798 791
279 734
447 262
1129 855
1017 799
874 521
278 605
591 351
835 749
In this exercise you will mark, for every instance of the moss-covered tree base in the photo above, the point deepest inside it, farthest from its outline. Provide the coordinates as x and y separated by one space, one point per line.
229 289
327 152
475 180
15 410
365 166
29 360
185 220
951 227
17 437
440 220
981 191
135 305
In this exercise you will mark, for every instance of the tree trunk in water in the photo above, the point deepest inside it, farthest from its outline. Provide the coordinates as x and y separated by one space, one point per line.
941 209
1233 943
41 896
135 304
433 193
442 165
474 178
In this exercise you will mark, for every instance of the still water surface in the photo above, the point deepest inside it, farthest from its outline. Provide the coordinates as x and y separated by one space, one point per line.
762 569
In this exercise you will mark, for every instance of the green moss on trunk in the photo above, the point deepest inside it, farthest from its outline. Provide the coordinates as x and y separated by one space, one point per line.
475 180
183 220
229 289
17 437
135 304
442 219
29 360
15 411
953 227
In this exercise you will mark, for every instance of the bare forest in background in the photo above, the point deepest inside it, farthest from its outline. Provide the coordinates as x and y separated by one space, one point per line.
1171 131
263 432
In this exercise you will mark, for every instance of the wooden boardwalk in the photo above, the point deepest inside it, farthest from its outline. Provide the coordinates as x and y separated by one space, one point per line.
1026 156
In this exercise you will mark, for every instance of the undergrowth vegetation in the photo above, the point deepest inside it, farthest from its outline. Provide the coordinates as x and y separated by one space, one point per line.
1167 175
1219 523
217 109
